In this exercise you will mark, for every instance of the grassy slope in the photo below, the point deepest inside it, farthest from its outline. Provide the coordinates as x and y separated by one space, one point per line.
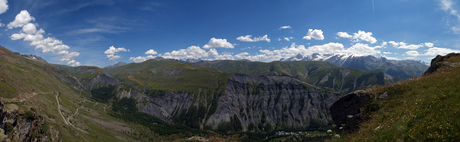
420 109
84 73
152 75
316 71
23 77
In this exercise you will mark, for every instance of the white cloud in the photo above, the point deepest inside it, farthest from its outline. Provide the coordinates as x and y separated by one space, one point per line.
285 27
112 51
327 48
411 46
315 34
439 51
412 53
21 19
387 53
3 6
68 56
394 44
364 36
429 44
192 52
29 28
247 38
403 45
361 49
140 59
279 39
359 36
344 35
288 38
216 43
74 63
224 56
30 33
151 52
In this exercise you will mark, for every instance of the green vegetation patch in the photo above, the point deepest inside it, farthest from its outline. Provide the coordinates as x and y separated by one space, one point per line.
422 109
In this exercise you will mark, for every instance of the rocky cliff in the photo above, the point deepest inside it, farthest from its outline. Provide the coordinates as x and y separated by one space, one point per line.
272 100
258 103
450 60
19 124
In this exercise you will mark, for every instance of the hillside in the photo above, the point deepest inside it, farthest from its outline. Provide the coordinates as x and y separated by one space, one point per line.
90 77
42 103
169 75
420 109
318 73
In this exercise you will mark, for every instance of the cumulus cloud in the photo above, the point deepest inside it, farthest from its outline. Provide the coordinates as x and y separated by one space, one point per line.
248 38
218 43
285 27
344 35
30 33
439 51
21 19
74 63
140 59
315 34
412 53
364 36
112 51
359 36
387 53
151 52
429 44
288 38
403 45
3 6
192 52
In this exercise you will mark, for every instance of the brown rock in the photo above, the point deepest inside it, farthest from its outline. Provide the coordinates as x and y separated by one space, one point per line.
348 111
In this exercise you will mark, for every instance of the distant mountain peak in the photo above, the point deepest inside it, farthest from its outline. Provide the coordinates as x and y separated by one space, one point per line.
400 69
121 63
193 60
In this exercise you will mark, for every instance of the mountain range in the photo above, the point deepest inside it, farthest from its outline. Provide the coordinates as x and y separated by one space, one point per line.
402 69
164 98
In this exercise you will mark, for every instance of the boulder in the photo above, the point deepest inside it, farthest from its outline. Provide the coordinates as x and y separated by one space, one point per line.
348 111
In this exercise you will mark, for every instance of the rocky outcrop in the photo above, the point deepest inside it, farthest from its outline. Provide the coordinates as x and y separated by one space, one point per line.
440 61
99 81
23 125
349 111
34 57
165 105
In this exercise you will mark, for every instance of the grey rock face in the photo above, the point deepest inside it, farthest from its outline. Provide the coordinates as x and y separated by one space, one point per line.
30 56
275 100
100 81
24 127
164 105
270 100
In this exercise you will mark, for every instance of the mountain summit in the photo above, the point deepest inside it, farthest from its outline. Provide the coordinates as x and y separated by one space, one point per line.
402 69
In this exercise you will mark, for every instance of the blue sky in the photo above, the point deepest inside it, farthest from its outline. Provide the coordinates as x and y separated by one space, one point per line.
104 32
